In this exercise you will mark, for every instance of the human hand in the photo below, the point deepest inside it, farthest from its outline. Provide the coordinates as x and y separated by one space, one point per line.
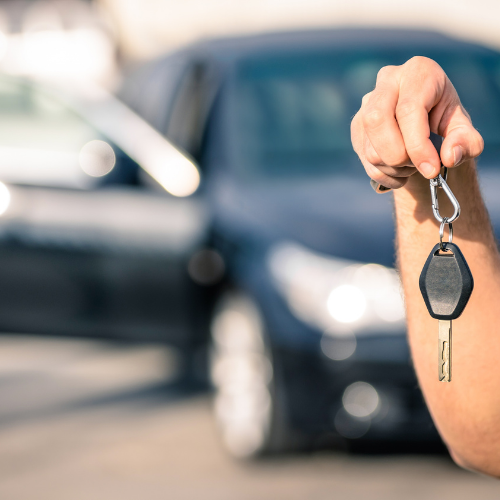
390 133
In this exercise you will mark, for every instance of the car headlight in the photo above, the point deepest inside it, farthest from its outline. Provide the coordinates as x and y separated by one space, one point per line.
336 295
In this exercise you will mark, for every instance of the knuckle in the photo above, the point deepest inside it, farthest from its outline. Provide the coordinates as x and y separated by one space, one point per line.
373 158
397 159
422 62
426 69
406 108
385 72
373 118
479 144
414 149
366 98
419 60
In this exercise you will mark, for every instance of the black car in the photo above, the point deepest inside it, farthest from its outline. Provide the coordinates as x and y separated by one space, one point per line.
280 261
308 332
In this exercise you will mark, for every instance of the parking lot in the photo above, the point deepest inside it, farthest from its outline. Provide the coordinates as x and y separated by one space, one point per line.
84 419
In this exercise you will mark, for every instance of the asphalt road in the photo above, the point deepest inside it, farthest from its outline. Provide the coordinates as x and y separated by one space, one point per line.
91 420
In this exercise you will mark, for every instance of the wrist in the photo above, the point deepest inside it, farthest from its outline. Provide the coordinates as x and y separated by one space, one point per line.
414 199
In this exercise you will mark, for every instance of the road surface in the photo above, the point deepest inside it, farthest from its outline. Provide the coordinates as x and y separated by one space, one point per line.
93 420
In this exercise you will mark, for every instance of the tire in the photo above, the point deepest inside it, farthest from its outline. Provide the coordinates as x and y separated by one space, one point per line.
250 394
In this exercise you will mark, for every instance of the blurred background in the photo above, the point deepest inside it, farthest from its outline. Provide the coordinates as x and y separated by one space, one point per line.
197 286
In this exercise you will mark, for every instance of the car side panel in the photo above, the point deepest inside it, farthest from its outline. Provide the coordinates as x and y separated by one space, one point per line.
109 263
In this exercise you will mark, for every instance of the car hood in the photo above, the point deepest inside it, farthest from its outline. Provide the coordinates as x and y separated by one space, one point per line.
342 217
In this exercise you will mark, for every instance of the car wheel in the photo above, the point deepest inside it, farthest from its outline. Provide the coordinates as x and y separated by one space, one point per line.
250 397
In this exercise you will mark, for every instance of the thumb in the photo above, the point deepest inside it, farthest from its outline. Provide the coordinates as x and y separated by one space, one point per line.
461 140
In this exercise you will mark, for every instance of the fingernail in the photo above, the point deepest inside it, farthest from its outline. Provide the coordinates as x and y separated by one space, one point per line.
457 155
378 188
427 170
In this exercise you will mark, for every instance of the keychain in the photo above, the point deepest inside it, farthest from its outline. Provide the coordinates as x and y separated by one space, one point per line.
446 282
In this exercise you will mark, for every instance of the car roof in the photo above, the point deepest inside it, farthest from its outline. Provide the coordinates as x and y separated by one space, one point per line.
149 89
227 49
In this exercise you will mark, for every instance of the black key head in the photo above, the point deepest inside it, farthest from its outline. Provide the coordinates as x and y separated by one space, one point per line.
446 282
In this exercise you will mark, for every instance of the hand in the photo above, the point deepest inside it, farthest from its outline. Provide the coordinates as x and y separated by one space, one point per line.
390 133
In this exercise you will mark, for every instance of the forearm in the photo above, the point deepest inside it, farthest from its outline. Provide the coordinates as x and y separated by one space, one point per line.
467 410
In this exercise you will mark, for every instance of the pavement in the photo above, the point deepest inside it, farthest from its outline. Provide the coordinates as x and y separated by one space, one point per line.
96 420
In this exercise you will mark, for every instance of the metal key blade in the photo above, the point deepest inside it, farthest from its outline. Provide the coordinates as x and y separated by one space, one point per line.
444 351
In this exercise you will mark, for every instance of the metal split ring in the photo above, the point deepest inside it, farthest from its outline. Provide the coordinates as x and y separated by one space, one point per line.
442 245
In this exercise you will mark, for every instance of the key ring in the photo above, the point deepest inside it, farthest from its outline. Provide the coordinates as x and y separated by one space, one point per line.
442 245
440 182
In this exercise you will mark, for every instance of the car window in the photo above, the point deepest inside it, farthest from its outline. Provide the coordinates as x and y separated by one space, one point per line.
289 114
173 95
150 90
43 142
187 114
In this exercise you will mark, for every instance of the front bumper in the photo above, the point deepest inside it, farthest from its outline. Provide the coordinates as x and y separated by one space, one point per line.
315 388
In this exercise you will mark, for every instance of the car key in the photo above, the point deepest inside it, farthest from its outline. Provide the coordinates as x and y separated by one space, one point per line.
446 282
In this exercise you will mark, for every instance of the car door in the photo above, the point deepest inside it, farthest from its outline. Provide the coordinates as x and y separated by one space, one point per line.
88 245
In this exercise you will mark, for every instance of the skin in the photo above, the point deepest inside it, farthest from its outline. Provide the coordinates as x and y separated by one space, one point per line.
390 134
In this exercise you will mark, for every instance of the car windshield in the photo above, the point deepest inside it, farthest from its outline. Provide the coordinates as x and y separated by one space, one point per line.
291 113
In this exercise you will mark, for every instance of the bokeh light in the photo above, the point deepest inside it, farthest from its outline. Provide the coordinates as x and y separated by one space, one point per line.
361 399
4 198
346 303
337 347
97 158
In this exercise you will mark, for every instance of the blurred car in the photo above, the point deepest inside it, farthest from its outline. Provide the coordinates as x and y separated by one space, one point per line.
282 248
308 334
92 240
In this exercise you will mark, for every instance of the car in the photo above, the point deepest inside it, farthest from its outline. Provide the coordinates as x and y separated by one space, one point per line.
221 210
308 337
96 231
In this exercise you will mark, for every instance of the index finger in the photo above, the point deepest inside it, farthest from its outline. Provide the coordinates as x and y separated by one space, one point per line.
418 95
380 122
